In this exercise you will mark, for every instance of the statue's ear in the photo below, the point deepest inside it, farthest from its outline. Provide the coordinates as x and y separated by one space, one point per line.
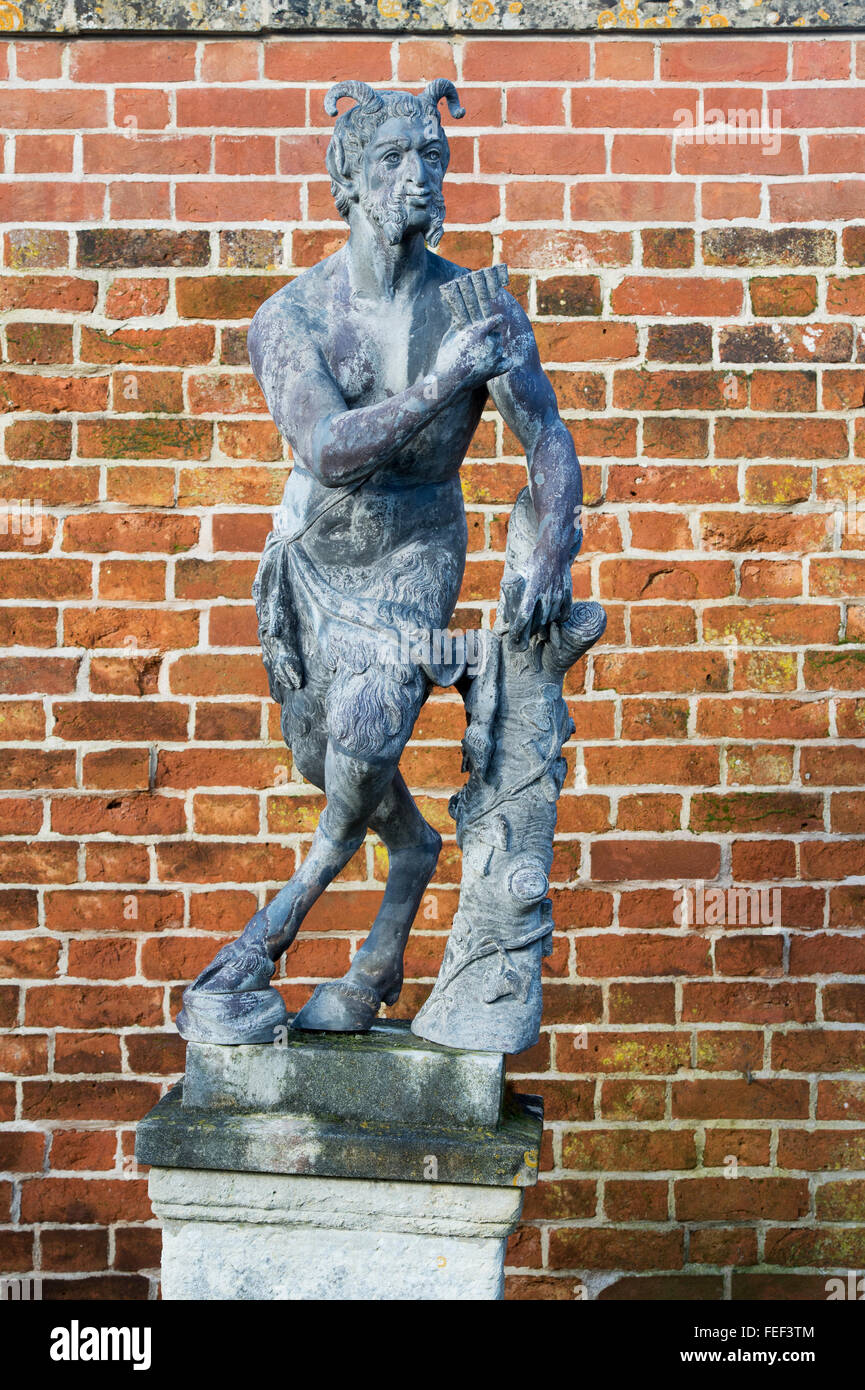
346 182
343 185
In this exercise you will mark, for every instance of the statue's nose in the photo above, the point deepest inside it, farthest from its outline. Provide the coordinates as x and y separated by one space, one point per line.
416 173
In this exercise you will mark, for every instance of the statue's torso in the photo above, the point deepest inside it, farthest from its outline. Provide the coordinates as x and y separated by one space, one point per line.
375 349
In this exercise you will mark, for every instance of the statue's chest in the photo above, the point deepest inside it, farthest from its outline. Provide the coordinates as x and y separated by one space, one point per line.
379 354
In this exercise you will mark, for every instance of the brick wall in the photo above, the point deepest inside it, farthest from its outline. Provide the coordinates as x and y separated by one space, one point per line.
696 305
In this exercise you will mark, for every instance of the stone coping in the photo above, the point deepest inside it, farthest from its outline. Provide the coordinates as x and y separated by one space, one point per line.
506 1155
492 17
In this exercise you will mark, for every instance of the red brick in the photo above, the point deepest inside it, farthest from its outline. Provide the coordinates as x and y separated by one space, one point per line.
732 157
525 60
53 202
322 60
542 153
679 297
708 60
228 108
720 1199
623 1150
721 202
231 60
556 248
141 109
820 60
68 109
44 154
624 61
817 200
632 201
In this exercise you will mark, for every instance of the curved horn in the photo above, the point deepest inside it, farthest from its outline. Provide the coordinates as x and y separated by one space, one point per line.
443 87
364 95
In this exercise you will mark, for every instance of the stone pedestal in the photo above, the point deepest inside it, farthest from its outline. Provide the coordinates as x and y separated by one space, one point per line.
339 1166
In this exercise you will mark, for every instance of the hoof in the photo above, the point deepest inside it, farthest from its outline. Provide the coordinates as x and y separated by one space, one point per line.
240 967
247 1016
339 1006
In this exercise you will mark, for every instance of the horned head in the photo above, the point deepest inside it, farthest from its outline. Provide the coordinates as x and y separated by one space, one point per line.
357 125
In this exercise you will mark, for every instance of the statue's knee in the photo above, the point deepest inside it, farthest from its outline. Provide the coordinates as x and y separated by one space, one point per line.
431 842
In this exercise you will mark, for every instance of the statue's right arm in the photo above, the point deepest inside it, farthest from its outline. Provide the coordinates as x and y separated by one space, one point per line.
336 444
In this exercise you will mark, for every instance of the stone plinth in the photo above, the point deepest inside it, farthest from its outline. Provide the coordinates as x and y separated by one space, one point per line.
274 1236
339 1166
387 1072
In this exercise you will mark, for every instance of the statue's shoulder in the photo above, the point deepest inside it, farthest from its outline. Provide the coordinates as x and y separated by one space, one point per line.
296 307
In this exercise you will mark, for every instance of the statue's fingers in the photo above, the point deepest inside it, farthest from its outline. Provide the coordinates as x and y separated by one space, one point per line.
522 630
492 280
456 304
542 612
511 591
518 622
482 289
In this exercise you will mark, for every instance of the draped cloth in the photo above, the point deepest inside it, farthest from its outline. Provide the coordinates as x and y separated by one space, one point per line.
352 598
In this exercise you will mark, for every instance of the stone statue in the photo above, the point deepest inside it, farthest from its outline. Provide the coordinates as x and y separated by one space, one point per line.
376 365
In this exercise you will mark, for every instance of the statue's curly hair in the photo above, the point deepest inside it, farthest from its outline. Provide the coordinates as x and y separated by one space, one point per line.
355 127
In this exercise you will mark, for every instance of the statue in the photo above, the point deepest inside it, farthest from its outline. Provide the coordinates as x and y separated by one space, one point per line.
376 365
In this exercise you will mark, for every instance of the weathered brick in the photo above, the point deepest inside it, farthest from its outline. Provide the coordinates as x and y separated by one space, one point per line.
115 248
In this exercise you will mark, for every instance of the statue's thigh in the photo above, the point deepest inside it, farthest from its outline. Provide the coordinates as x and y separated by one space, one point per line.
371 714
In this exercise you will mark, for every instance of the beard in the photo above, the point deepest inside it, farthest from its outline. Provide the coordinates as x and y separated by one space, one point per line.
389 211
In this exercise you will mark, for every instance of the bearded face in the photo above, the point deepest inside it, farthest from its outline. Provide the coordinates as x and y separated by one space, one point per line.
394 214
400 179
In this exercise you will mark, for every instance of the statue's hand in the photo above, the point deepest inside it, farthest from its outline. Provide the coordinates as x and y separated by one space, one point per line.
546 595
472 355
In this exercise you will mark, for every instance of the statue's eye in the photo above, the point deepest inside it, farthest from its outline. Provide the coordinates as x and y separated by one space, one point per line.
391 158
433 154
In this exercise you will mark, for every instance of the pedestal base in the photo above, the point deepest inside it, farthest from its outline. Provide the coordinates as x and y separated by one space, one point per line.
339 1167
264 1237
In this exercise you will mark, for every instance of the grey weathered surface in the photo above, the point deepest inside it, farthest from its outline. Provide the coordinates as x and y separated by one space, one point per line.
445 16
176 1136
259 1236
376 365
387 1073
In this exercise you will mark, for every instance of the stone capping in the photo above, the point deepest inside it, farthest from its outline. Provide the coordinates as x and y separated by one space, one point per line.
506 1155
489 17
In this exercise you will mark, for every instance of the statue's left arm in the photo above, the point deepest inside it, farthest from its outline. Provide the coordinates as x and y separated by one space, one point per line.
527 403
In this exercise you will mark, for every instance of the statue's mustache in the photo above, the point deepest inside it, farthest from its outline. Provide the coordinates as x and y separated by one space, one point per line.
390 210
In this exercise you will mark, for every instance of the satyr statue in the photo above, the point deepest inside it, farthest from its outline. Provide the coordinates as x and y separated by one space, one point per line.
376 365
